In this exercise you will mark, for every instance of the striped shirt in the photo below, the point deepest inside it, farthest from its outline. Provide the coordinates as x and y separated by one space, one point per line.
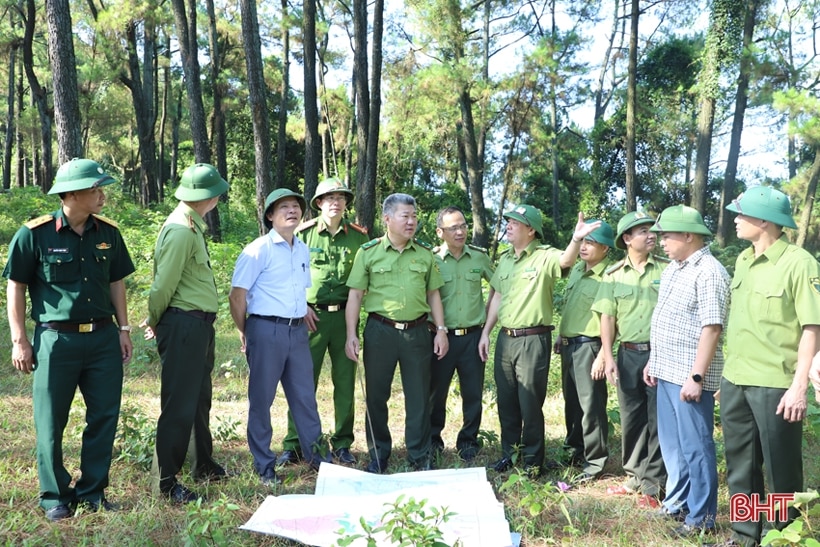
694 293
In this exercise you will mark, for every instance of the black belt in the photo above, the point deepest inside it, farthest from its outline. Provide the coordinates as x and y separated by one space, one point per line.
577 340
65 326
290 321
399 325
527 331
461 331
639 346
330 307
208 316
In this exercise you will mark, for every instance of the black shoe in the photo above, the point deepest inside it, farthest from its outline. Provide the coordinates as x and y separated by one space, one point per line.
101 505
180 495
377 466
691 531
344 456
214 475
286 457
468 453
269 478
59 512
502 465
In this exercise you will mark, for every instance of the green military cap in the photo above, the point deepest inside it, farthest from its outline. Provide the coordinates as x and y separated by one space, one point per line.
765 203
200 181
680 218
276 195
329 186
530 216
629 221
602 234
79 174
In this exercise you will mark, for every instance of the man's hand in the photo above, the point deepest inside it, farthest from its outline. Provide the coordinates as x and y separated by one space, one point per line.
651 381
792 405
611 371
441 344
352 349
691 391
149 332
311 319
556 347
243 342
598 366
484 347
22 356
125 346
582 229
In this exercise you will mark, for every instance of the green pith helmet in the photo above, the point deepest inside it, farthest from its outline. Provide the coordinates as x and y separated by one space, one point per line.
276 195
79 174
200 181
329 186
682 219
629 221
530 216
765 203
602 234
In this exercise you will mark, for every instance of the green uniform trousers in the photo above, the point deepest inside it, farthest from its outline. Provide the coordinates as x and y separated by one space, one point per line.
522 367
640 447
756 438
186 350
412 349
330 337
462 357
65 361
585 406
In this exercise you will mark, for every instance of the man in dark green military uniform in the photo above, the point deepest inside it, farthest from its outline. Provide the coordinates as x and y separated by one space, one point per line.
772 335
401 282
462 267
579 343
524 282
73 264
625 300
182 308
333 242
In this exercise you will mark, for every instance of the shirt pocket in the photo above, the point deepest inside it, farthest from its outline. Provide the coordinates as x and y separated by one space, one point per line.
473 282
381 277
202 268
770 302
529 280
61 268
623 292
417 277
318 257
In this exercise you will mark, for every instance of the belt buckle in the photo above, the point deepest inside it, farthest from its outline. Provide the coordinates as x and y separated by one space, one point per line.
460 332
86 327
400 326
564 341
334 307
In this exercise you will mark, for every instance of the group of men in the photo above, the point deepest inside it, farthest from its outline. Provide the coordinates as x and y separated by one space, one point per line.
297 294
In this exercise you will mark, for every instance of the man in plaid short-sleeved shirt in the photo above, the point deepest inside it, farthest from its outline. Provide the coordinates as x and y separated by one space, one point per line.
686 364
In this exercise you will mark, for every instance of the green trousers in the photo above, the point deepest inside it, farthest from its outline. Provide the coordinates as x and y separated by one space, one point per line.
412 349
585 406
758 442
330 337
66 361
522 366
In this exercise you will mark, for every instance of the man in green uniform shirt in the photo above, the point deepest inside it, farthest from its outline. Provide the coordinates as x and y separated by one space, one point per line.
772 335
462 267
626 299
523 282
73 264
401 282
578 344
333 242
182 306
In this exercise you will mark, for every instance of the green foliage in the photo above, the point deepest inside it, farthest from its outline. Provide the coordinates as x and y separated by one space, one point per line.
135 437
405 523
226 429
536 498
800 531
207 524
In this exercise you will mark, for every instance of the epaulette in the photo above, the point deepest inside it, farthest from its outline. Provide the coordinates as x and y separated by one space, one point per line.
106 220
423 244
39 221
615 267
544 247
360 229
370 244
306 224
437 249
477 248
662 259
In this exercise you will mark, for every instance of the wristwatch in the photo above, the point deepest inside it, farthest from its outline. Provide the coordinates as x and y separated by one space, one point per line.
126 328
697 377
442 327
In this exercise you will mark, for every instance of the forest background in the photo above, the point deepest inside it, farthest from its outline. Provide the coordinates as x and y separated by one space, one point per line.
602 107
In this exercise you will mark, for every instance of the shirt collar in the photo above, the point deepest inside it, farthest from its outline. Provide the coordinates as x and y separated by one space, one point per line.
775 250
445 250
62 222
322 226
188 211
695 257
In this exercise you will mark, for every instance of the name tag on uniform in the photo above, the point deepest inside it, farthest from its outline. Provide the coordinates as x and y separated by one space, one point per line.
58 250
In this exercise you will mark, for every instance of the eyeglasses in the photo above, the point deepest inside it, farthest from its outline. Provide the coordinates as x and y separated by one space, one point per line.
456 228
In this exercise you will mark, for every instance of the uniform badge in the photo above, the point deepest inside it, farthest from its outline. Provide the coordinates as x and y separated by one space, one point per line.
60 250
815 284
103 246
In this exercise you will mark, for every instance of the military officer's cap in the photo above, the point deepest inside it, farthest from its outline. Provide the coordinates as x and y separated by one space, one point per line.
79 174
330 186
528 215
765 203
682 219
200 181
276 195
629 221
